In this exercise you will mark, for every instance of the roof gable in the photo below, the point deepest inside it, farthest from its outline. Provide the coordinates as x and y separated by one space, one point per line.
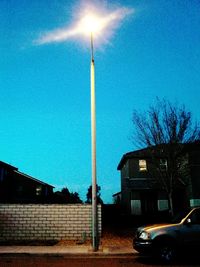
31 178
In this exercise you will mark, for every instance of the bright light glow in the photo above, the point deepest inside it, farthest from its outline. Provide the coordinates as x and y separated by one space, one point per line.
144 235
92 20
91 24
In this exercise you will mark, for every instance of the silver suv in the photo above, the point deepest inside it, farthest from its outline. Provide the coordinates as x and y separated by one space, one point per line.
165 240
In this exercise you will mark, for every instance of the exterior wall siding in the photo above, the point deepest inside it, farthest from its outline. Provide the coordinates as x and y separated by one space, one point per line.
125 191
46 222
136 208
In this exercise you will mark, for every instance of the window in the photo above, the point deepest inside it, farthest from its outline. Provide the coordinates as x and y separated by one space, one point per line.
19 190
163 164
3 173
38 190
142 165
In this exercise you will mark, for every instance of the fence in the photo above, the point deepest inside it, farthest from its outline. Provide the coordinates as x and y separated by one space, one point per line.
46 221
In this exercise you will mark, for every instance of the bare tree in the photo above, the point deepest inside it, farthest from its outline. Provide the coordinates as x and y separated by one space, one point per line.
165 129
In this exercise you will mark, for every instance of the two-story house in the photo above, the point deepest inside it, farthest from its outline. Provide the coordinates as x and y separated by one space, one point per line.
141 193
18 187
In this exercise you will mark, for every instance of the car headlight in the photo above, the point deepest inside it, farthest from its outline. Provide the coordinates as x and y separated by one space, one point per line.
144 235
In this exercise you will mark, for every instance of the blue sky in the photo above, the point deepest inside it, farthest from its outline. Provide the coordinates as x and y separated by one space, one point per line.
45 89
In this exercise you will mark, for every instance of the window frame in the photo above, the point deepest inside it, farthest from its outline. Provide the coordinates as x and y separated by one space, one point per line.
163 164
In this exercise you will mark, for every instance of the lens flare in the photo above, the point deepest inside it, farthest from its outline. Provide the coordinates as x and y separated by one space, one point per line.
92 19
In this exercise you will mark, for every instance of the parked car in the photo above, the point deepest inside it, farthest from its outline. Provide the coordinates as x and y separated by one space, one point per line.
166 240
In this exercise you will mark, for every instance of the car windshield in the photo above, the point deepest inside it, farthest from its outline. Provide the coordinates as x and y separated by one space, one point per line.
178 217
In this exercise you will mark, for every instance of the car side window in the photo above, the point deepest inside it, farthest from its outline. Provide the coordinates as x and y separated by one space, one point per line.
195 217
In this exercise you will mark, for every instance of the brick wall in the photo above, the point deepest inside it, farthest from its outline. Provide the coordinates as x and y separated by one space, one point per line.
46 222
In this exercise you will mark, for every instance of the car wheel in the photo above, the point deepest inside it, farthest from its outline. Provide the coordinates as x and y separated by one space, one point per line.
166 252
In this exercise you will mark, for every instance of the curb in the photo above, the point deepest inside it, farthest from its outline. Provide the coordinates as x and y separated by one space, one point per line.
62 251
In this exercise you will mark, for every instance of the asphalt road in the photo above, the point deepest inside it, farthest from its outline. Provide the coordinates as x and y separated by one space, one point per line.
85 261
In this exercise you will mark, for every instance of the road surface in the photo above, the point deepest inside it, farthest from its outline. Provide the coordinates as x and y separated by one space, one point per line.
85 261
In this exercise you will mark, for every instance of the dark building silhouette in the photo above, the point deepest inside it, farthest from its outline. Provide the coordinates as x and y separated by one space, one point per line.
18 187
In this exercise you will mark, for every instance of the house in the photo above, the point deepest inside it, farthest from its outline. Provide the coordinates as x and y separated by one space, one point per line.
117 198
141 191
18 187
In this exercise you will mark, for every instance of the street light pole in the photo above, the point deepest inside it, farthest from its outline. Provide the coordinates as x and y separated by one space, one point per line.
93 150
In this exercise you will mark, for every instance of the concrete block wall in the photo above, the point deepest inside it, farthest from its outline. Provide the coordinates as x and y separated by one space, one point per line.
46 221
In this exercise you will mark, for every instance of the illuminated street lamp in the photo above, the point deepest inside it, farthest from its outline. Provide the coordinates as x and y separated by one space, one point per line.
91 24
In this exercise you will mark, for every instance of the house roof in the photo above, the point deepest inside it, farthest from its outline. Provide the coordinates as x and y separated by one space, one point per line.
4 164
117 194
31 178
15 170
144 153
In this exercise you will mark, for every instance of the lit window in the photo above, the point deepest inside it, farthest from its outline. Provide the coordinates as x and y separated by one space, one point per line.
38 190
163 164
142 165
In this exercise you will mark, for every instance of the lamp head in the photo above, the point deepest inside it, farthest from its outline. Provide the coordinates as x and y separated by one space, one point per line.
91 23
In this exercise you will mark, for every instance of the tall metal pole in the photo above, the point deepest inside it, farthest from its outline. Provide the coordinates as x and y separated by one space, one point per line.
95 240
